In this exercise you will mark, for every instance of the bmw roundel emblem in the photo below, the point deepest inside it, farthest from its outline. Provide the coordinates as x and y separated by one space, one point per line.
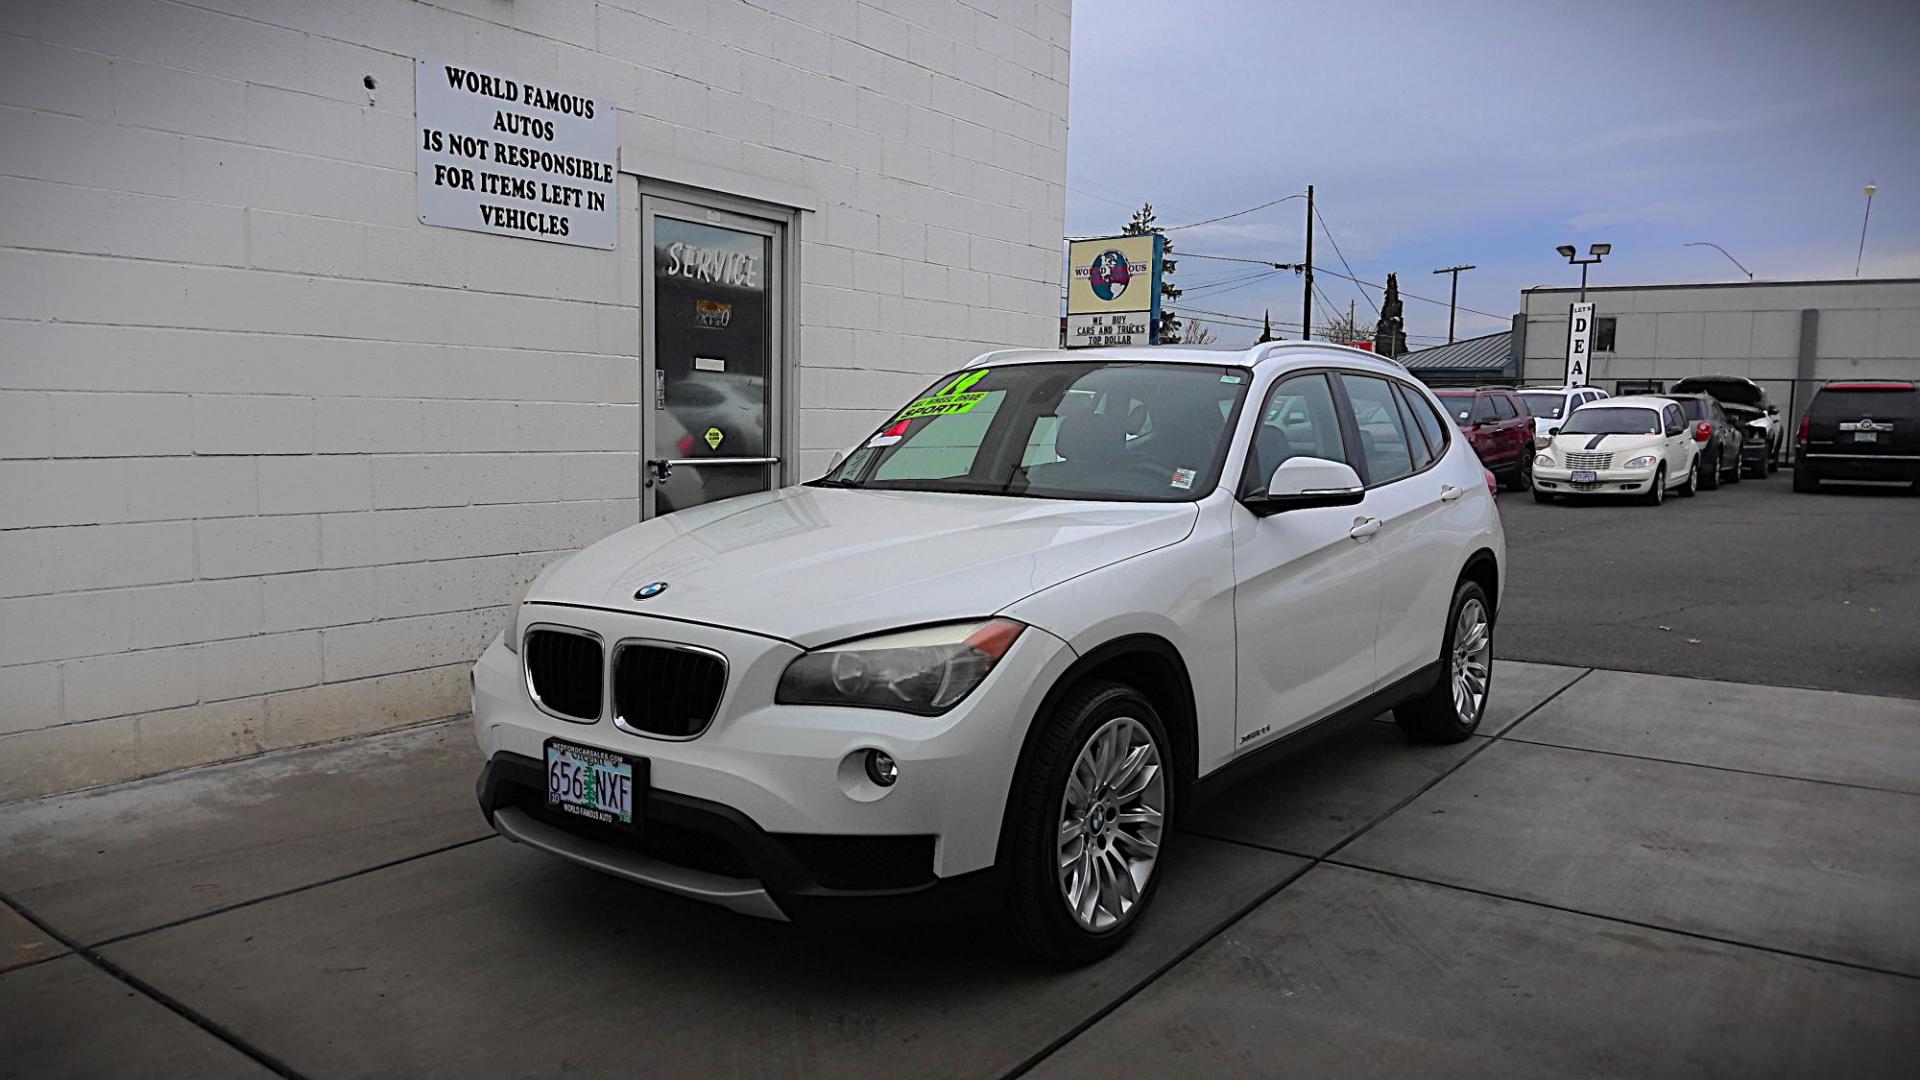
648 592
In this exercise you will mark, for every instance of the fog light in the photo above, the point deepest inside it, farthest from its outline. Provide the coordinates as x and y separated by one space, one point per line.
881 768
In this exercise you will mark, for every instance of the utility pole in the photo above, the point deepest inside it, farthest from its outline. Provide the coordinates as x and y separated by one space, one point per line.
1453 299
1306 299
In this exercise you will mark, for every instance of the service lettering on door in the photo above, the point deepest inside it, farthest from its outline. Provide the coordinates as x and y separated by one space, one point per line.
514 157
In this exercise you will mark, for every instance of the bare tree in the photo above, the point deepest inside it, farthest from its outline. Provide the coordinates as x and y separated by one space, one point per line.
1197 333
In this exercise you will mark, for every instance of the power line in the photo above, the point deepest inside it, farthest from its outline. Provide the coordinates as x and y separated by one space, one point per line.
1355 280
1236 213
1343 258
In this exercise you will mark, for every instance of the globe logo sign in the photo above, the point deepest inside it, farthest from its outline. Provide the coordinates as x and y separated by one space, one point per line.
1109 275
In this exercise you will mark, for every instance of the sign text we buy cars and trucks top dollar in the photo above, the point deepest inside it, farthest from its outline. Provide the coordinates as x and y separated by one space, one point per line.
515 157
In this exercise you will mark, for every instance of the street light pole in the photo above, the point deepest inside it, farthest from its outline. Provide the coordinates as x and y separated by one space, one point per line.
1453 300
1595 253
1864 218
1730 258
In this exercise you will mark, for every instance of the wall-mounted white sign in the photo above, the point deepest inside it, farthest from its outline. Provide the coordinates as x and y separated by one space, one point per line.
513 156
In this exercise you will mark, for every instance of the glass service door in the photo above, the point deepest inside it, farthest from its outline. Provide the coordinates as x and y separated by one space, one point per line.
711 355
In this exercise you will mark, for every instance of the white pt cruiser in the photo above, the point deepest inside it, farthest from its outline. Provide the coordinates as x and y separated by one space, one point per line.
994 649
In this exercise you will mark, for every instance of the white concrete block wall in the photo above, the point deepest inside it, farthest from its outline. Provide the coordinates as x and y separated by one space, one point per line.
273 455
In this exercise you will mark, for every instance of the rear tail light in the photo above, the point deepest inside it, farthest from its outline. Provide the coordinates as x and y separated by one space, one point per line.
1806 426
685 445
1703 431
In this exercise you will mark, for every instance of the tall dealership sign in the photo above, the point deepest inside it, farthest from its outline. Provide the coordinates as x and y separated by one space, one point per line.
1113 290
505 155
1579 344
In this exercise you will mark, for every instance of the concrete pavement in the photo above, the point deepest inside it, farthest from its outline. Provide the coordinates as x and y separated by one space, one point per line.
1727 887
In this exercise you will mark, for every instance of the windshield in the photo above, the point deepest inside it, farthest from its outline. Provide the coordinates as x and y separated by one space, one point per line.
1694 408
1458 406
1612 420
1545 406
1135 432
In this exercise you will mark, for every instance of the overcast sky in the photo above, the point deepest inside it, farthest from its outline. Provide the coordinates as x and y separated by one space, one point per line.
1489 133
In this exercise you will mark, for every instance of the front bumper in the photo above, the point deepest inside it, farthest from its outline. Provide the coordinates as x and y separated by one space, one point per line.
758 813
1559 481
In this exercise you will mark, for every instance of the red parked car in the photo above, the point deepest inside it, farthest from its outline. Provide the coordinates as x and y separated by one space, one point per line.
1498 428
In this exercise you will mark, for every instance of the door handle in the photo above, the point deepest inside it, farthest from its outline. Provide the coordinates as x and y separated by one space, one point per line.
1364 527
663 467
1450 492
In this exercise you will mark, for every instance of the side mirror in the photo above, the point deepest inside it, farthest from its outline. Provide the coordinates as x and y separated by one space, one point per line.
1302 483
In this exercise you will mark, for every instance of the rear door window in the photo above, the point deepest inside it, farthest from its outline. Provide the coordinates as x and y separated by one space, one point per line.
1482 409
1384 440
1503 407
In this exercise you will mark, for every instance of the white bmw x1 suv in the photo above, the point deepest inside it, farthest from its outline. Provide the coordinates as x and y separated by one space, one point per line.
993 651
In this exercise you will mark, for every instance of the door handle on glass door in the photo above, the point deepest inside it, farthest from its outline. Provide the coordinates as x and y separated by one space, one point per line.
1364 527
1450 492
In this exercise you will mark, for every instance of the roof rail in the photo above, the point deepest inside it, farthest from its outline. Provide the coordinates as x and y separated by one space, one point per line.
1261 351
989 357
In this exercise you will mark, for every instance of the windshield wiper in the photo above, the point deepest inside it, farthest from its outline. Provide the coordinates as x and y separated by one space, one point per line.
827 481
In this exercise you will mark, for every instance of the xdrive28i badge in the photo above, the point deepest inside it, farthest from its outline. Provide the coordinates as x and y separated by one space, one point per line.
651 590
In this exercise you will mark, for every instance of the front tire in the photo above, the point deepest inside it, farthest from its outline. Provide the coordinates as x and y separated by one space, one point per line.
1657 494
1452 710
1542 496
1090 820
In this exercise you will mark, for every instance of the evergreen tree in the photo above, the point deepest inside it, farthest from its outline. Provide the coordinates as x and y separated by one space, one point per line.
1142 224
1390 333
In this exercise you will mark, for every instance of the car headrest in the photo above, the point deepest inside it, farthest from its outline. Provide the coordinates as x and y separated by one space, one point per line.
1087 436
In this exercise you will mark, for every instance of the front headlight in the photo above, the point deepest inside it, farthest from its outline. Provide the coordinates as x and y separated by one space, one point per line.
1640 463
512 641
1544 459
925 671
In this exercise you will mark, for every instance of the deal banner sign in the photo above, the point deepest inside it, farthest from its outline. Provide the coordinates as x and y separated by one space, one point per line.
1579 344
506 155
1113 290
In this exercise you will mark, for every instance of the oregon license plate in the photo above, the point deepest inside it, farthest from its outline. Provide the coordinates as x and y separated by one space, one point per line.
1584 476
596 784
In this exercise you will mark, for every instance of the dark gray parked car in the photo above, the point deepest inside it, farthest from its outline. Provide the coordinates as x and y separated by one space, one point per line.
1747 406
1722 439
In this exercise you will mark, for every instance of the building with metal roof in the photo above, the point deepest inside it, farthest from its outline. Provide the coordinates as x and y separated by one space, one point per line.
1488 359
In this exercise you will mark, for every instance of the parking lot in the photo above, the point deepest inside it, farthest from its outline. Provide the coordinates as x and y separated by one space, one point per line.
1681 845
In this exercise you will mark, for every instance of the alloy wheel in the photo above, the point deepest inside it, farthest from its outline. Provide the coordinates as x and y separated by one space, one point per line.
1472 660
1110 822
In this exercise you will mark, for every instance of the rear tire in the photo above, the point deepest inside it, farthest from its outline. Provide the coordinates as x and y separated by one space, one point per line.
1038 912
1804 480
1451 711
1710 480
1692 487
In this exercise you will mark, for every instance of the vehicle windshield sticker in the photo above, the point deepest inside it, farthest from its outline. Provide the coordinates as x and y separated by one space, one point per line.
714 437
1183 478
1229 378
950 400
892 434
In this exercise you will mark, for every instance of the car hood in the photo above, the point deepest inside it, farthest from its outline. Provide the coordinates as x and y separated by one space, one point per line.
815 565
1604 444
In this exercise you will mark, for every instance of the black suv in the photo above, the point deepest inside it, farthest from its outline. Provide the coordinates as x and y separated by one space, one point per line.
1859 431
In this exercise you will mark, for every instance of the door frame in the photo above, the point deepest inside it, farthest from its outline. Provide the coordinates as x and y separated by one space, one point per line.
781 226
